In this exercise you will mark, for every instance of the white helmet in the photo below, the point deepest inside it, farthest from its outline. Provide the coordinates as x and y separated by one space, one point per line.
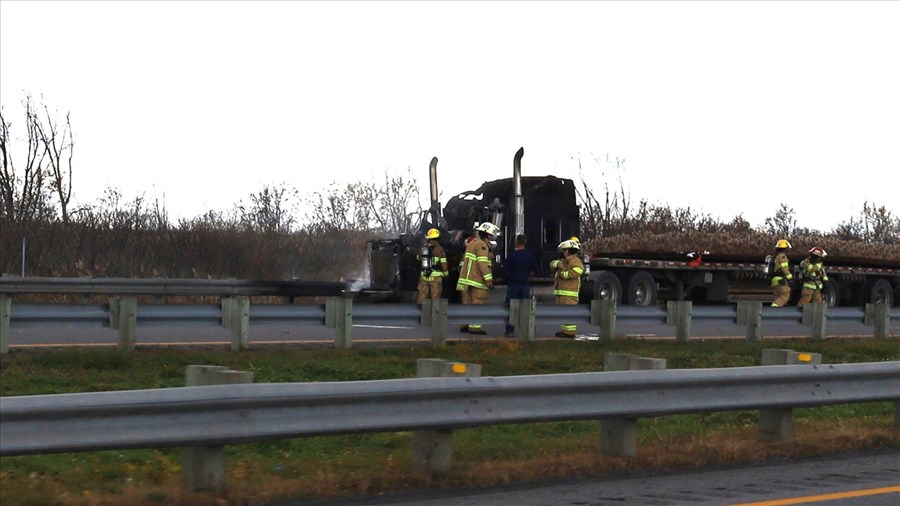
568 244
488 228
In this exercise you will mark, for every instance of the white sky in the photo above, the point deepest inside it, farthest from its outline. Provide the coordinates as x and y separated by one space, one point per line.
727 107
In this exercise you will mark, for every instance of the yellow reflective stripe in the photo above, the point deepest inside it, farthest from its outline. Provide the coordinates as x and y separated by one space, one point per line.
489 277
811 286
567 275
469 282
783 265
554 264
565 293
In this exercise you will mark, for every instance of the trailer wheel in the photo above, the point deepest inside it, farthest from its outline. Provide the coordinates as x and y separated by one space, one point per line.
831 293
641 289
607 287
877 291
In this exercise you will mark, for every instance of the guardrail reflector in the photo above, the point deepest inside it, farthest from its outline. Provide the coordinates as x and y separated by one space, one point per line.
804 357
458 368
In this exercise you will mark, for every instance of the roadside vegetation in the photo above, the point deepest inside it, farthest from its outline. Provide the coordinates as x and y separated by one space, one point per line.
279 232
373 464
47 231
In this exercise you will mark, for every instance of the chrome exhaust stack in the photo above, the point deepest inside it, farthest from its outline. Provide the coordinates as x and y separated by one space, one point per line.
518 199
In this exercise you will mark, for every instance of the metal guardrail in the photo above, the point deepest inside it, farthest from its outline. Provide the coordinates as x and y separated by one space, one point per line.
245 413
123 314
13 285
98 315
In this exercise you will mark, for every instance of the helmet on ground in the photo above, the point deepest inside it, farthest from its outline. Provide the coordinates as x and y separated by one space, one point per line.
488 228
570 244
818 251
432 233
782 244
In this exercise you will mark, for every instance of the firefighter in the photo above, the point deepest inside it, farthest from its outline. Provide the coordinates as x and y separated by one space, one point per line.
476 277
433 261
782 279
567 282
812 271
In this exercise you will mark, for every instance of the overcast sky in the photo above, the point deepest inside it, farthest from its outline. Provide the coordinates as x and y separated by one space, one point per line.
727 107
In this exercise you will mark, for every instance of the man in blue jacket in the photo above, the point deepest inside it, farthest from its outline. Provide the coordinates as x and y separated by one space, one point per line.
519 266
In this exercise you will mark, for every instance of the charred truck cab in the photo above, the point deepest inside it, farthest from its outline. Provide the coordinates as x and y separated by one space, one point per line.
544 208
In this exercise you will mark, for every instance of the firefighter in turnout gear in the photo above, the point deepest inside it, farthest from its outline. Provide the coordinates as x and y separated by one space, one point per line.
433 260
812 271
781 277
476 277
567 282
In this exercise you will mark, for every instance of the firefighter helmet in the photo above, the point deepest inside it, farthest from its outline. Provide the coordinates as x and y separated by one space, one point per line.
432 233
782 244
569 244
818 251
488 228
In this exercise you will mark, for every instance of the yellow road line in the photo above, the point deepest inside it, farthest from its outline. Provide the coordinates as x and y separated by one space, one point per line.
825 497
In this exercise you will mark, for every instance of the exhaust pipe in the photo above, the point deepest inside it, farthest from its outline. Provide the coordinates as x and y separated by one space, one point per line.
518 199
432 174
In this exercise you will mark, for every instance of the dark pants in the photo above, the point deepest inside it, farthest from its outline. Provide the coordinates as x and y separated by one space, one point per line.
515 291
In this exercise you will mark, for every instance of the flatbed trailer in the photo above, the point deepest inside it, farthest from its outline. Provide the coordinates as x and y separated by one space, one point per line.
651 278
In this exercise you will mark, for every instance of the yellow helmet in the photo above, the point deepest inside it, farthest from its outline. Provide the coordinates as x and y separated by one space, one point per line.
782 244
574 238
432 233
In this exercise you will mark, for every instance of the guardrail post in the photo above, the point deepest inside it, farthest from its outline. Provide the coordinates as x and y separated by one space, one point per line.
123 317
897 421
432 450
678 313
5 313
434 315
339 316
814 315
879 316
603 314
777 425
239 322
618 436
521 316
203 467
749 313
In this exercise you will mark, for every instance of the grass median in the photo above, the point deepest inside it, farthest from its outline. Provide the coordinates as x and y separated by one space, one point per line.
351 465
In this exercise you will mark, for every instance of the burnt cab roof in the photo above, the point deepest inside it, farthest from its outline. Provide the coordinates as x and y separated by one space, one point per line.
551 193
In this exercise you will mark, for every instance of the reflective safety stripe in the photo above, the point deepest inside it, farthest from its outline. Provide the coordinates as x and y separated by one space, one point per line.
469 282
566 275
811 286
565 293
567 327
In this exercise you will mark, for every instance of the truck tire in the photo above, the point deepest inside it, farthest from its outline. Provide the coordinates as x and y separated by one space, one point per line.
878 290
831 293
607 286
641 289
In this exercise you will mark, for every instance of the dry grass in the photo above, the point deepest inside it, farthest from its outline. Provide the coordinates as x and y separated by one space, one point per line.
252 485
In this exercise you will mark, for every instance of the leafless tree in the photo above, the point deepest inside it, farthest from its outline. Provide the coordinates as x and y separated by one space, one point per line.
23 190
269 210
365 206
58 147
606 217
783 223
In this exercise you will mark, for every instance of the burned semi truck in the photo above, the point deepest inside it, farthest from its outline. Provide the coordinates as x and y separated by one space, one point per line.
544 208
